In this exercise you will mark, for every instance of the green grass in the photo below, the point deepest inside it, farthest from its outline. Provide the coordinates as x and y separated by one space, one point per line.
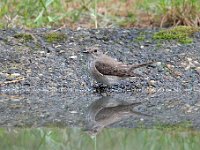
172 12
54 37
45 13
98 13
24 36
181 33
112 139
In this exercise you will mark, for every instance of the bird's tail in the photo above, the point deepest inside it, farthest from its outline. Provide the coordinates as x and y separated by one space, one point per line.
140 65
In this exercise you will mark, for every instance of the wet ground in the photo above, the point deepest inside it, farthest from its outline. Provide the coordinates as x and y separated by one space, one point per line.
45 82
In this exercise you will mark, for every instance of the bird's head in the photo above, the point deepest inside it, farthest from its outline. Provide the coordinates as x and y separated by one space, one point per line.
94 52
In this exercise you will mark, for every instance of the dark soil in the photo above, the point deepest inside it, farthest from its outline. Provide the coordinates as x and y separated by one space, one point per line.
45 82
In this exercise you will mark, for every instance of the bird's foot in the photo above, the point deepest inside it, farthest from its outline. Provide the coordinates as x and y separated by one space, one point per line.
99 86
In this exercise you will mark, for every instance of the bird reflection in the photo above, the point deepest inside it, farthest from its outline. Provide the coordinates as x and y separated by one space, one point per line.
106 111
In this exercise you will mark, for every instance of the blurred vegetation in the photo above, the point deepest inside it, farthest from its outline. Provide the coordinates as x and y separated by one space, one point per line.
180 33
112 139
98 13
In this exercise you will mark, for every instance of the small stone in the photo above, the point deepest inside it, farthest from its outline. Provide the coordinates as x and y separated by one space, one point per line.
79 28
187 68
28 71
152 82
196 62
15 100
73 57
187 105
189 110
151 90
56 46
197 104
141 119
15 74
73 112
189 59
170 66
42 52
159 108
197 70
61 51
42 115
167 50
158 63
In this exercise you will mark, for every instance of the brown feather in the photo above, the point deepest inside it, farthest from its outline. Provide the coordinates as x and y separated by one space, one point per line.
106 65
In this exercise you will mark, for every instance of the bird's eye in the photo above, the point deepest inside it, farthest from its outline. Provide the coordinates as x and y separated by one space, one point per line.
95 50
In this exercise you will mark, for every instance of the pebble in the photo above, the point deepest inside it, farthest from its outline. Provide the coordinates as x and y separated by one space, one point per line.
73 57
73 112
116 43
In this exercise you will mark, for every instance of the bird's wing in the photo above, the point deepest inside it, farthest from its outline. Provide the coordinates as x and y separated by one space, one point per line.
108 66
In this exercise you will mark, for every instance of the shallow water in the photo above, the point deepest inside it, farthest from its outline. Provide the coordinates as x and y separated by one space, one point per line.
48 85
94 112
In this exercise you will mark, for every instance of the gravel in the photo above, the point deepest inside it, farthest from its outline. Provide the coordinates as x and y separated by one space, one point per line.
47 83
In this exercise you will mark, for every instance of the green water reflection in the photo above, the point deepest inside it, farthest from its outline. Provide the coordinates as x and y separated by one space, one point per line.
108 139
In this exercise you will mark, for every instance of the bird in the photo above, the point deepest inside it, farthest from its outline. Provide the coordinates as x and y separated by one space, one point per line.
107 70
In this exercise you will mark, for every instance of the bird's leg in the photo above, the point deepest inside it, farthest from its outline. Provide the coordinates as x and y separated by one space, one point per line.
98 85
